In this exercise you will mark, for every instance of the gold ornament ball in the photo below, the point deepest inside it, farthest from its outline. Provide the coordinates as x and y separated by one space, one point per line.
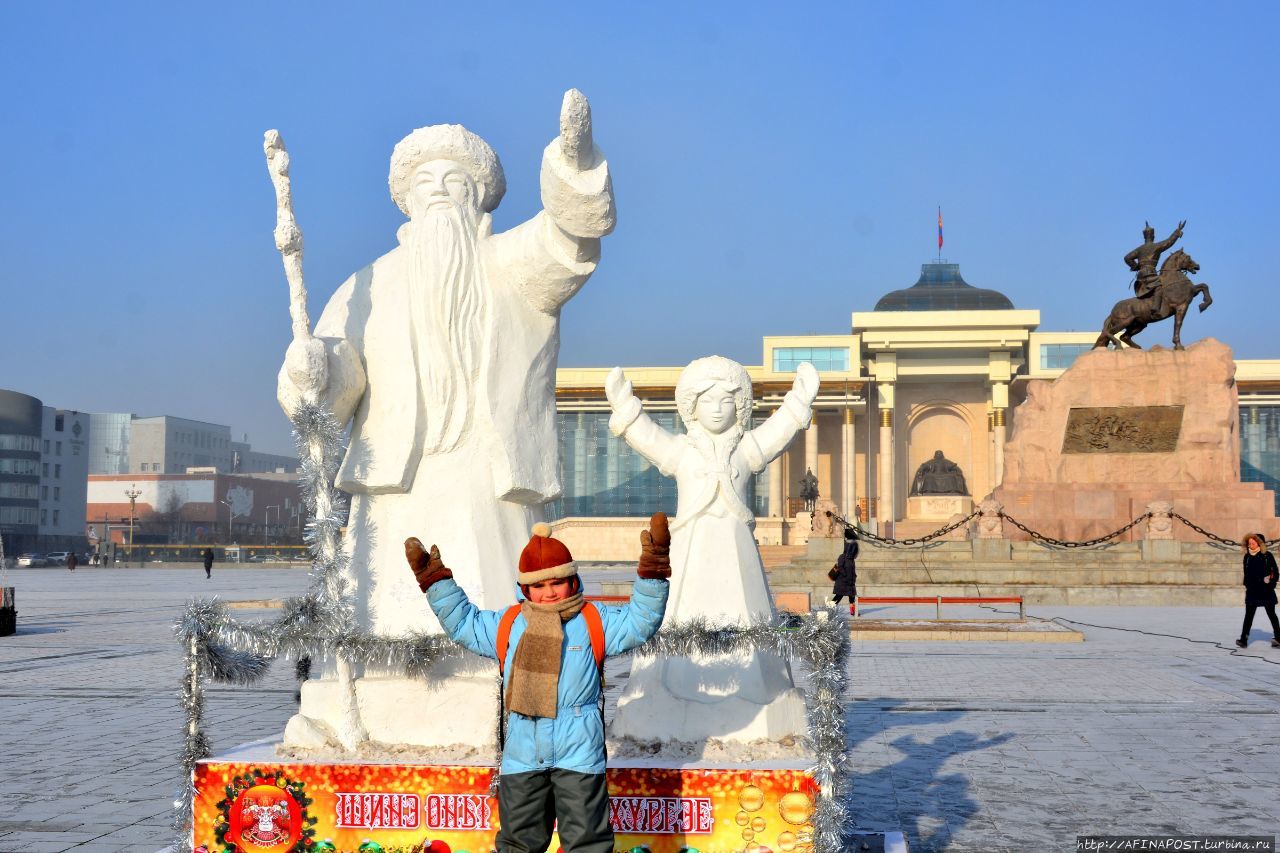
742 818
796 808
751 798
748 835
787 841
758 824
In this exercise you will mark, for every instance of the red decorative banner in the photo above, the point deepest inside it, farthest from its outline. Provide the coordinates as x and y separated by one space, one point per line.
384 808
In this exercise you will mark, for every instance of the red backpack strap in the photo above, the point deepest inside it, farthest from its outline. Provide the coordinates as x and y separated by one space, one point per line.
504 634
595 628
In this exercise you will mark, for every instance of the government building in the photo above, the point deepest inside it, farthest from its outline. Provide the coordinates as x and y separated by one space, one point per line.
940 365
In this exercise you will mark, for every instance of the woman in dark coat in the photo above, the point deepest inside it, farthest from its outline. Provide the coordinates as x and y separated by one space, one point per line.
208 562
1260 574
845 572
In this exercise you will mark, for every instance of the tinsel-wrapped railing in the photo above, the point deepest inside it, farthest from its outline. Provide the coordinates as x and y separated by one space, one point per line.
223 649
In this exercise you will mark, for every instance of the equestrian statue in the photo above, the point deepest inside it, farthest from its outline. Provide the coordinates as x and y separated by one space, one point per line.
1160 295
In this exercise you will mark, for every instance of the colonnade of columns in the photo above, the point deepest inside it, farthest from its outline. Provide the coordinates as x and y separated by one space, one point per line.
882 483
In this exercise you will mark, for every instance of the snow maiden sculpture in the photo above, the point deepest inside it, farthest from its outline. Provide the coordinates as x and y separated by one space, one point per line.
716 569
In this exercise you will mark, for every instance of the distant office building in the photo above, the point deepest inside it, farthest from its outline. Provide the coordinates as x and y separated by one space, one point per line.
44 467
246 460
127 444
170 445
20 426
64 476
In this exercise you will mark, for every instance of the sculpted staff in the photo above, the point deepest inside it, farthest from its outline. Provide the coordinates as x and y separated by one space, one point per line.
442 354
1144 259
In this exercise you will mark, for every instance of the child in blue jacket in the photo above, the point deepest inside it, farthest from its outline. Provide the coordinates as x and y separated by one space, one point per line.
553 759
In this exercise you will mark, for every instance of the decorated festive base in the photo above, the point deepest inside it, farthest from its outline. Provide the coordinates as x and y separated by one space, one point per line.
249 806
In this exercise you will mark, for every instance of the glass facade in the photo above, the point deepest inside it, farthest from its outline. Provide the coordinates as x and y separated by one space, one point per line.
20 491
1260 447
21 467
18 515
1061 356
28 443
602 476
787 359
109 443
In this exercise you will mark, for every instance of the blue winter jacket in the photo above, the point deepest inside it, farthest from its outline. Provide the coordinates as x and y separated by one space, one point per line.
574 738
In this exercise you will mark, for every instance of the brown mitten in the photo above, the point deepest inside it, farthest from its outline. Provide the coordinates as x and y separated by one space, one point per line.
655 547
427 567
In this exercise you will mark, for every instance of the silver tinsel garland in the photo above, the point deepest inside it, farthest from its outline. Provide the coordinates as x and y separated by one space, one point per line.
320 623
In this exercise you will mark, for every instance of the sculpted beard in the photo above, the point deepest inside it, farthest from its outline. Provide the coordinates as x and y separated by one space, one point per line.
447 300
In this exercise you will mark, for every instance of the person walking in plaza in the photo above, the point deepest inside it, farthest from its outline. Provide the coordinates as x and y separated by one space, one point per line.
71 560
550 650
845 573
208 562
1260 575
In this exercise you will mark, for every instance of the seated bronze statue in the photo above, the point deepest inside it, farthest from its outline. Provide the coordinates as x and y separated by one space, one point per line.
938 476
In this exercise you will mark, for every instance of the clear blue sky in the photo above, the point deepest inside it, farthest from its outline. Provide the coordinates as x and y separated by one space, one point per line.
776 168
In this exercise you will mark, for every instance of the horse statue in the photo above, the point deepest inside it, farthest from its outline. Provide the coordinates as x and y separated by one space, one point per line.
1171 298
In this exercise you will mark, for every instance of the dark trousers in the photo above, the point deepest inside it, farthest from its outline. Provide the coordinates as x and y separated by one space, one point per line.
1249 610
529 803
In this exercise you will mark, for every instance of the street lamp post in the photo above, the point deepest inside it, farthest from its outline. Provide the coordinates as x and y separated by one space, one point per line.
132 494
266 520
231 515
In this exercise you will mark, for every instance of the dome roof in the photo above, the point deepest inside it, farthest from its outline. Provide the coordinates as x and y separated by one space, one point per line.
941 288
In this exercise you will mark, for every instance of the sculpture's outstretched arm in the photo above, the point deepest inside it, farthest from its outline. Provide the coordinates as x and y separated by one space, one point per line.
630 423
550 257
1172 238
769 439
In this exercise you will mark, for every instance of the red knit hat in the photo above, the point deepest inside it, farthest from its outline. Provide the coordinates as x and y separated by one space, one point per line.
544 558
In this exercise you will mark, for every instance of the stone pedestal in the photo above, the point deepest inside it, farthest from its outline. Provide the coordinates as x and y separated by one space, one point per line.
938 507
992 549
1161 550
1122 429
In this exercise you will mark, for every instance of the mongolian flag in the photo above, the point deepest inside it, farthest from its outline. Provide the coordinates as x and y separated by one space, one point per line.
939 229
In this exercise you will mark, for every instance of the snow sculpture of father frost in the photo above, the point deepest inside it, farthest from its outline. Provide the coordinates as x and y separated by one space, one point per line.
442 355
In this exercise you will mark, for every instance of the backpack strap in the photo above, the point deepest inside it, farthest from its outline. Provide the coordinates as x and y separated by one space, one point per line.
595 629
504 635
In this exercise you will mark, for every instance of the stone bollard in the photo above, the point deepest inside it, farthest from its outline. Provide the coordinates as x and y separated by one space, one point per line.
1158 542
990 543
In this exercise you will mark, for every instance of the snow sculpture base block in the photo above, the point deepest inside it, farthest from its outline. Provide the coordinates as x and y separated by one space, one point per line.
741 697
464 709
667 808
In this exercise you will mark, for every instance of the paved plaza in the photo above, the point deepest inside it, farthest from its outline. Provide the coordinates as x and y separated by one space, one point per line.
964 746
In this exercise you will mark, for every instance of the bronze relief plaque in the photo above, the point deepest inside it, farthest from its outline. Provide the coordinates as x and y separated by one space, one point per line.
1123 429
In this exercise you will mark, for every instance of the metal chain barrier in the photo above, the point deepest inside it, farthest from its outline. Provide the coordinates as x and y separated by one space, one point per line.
1036 535
1063 543
1212 537
885 540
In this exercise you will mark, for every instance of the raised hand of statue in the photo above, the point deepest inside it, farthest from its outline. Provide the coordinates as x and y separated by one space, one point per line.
655 549
806 382
617 388
575 130
427 567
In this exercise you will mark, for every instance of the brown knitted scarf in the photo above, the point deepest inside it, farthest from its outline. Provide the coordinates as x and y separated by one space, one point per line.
535 667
